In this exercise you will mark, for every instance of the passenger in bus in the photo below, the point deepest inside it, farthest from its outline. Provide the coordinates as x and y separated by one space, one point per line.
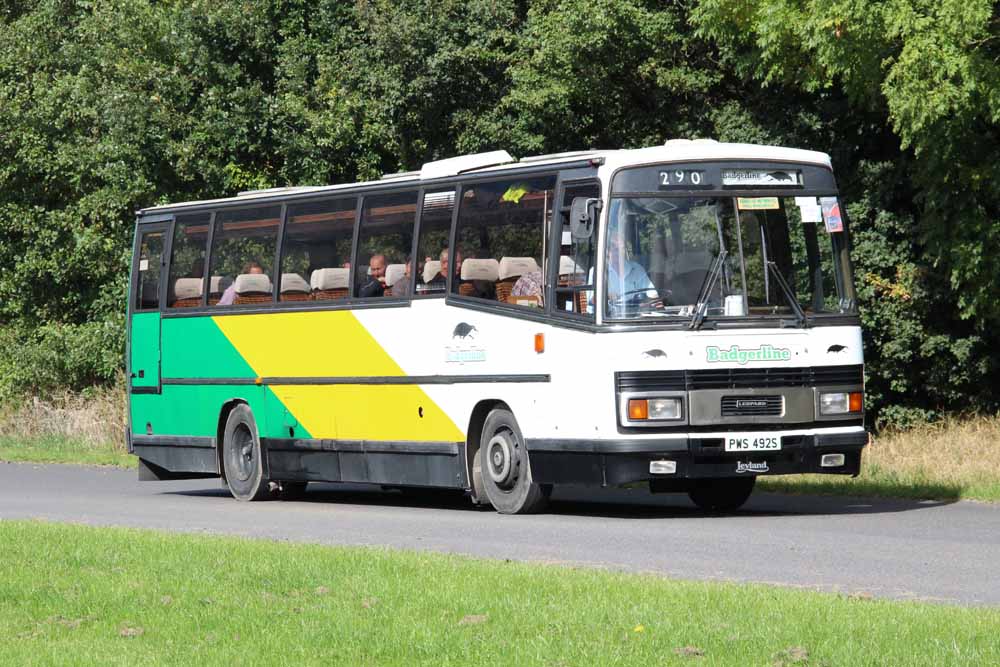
229 296
374 284
529 284
440 280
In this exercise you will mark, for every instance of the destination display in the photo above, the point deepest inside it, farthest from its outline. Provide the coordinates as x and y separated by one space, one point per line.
722 176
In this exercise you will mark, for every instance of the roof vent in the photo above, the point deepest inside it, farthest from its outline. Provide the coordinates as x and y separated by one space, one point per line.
400 174
456 165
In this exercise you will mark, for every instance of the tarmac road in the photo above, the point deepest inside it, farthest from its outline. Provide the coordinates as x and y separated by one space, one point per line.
930 550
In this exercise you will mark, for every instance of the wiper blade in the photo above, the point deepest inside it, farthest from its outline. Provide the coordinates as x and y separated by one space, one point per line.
800 314
701 307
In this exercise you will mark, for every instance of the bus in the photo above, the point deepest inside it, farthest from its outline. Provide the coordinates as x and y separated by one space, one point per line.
680 316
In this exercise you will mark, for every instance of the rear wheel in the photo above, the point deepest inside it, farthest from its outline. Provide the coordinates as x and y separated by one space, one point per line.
722 495
506 471
241 456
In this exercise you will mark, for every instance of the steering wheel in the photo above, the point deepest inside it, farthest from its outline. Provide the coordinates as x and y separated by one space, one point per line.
645 304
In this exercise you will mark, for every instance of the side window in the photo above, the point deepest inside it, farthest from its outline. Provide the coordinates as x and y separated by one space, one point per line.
187 262
316 255
501 239
243 256
147 284
435 229
385 241
575 272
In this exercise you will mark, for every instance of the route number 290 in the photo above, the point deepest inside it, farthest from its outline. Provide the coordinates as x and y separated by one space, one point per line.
680 177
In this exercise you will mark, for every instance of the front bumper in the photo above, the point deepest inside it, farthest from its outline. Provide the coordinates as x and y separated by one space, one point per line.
617 462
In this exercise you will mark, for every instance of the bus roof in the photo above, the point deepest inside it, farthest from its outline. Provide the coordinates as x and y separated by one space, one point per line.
674 150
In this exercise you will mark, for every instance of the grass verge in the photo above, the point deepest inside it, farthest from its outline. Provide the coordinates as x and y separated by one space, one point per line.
80 595
61 449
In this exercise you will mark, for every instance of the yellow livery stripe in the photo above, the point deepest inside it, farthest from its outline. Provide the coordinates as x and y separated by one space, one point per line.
336 344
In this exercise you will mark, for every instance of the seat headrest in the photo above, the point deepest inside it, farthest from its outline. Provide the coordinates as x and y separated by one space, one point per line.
431 269
293 282
253 283
219 284
393 273
481 269
511 267
568 266
335 278
187 288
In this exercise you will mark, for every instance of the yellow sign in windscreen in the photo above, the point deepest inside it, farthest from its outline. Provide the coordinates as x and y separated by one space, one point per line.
757 203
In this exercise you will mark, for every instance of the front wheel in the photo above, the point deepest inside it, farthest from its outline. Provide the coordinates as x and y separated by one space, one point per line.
506 471
241 456
722 495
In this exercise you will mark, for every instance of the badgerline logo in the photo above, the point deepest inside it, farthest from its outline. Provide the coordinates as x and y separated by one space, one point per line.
744 356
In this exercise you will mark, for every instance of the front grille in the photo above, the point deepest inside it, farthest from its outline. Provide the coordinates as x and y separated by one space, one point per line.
752 406
739 378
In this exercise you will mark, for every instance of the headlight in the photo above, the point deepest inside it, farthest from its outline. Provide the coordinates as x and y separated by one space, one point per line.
840 403
654 409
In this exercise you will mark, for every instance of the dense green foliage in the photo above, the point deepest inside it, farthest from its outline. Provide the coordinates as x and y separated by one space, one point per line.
107 106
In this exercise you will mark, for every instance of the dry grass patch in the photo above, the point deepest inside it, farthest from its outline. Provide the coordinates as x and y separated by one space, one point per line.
96 417
957 457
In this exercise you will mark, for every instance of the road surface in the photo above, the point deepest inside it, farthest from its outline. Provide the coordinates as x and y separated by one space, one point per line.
930 550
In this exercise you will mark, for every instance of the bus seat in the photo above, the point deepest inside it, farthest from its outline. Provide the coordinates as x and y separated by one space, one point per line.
431 269
393 273
217 285
479 277
294 288
481 269
329 283
568 266
252 288
514 267
509 270
186 293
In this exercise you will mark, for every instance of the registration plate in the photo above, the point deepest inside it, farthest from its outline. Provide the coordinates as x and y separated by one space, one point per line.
752 442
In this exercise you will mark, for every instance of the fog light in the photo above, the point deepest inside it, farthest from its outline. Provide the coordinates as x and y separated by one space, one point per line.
831 460
663 467
664 408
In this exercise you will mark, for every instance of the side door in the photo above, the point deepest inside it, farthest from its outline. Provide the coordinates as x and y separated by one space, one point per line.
148 291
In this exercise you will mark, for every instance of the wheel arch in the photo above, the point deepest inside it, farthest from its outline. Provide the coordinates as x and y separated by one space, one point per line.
473 439
220 430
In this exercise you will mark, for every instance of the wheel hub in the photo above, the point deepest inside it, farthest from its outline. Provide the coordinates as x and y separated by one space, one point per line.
500 460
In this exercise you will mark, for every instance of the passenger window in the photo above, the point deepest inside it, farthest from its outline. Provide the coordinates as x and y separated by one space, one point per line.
147 286
187 261
435 228
385 242
500 238
316 255
243 255
575 273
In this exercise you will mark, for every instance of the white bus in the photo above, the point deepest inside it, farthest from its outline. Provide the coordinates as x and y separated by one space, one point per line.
681 316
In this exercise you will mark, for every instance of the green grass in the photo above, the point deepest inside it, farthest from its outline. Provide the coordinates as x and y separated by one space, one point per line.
54 449
98 596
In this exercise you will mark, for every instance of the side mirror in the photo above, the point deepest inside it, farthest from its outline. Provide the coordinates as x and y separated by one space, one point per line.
583 216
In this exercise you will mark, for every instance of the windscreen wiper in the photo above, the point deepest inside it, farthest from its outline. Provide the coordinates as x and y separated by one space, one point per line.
800 314
701 307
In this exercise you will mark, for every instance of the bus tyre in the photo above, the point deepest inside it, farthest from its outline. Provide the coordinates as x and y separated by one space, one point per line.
505 468
241 457
722 495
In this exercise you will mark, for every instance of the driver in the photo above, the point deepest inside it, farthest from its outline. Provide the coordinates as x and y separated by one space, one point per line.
627 280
